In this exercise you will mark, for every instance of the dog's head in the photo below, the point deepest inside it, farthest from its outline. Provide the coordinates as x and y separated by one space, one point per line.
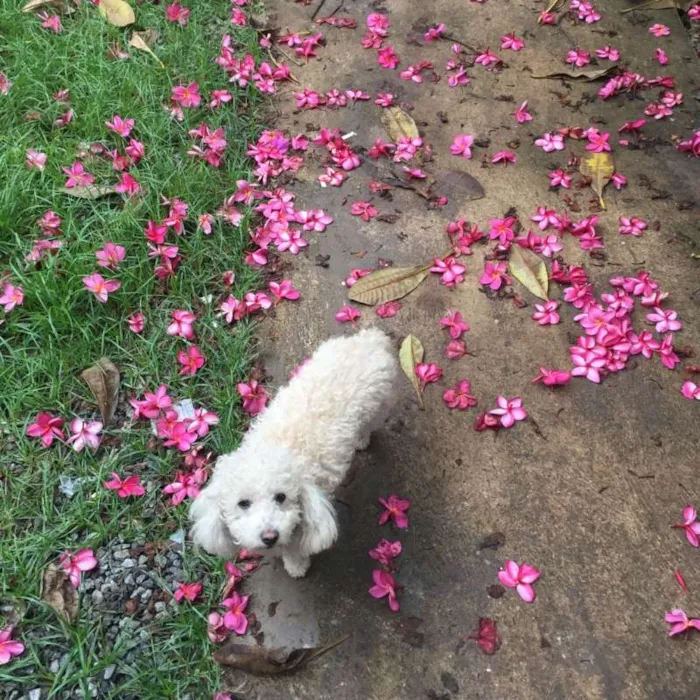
260 501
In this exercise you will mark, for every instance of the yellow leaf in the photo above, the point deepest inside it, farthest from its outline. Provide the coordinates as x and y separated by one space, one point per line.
90 191
600 168
37 4
411 354
530 270
117 12
387 284
397 124
140 41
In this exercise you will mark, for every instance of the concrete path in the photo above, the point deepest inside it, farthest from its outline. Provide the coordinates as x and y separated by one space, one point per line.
585 489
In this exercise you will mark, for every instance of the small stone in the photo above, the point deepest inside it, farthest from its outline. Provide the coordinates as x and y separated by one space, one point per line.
160 560
143 560
149 583
120 555
35 694
146 596
144 635
141 578
129 579
97 598
55 666
128 564
109 671
159 606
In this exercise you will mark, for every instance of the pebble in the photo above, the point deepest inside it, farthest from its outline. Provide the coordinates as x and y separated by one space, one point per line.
97 598
35 694
128 564
143 560
109 671
120 555
55 666
159 606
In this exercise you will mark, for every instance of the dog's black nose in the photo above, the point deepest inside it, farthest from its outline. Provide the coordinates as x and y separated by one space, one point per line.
270 537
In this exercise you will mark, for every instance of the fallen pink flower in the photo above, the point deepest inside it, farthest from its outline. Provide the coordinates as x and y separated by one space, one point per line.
487 636
384 586
505 157
662 57
455 349
428 373
101 287
152 403
486 58
455 324
52 22
85 434
509 411
191 360
385 552
521 577
494 275
665 320
459 396
78 176
461 145
9 647
512 42
47 427
254 396
284 290
553 377
136 322
608 53
434 33
578 58
234 617
364 209
131 486
549 142
558 178
182 324
388 309
75 564
120 126
347 315
451 272
216 630
185 485
691 525
521 114
485 421
35 159
111 255
177 13
680 622
186 95
546 314
690 390
187 591
659 30
395 510
11 296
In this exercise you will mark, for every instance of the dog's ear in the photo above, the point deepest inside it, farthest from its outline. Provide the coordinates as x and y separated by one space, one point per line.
208 529
319 529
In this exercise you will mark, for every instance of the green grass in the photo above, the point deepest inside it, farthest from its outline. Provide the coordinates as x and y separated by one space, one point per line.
61 328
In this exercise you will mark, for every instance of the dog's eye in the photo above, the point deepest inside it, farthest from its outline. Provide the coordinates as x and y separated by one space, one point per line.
244 504
280 498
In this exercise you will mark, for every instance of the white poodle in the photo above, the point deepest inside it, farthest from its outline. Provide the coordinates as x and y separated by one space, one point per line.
273 493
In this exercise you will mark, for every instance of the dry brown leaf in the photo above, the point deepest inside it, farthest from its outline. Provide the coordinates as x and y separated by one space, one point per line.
411 354
600 168
103 380
90 192
457 186
141 41
117 12
682 5
270 662
59 593
38 4
586 75
529 269
398 123
387 284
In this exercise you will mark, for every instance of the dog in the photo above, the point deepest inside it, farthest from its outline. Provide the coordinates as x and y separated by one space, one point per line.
273 493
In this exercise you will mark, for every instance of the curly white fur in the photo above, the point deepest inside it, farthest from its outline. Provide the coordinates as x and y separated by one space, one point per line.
278 484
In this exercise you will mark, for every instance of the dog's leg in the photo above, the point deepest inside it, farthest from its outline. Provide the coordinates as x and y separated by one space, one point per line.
296 563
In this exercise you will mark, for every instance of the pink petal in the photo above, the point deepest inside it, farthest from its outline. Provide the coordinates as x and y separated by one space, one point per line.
529 574
526 592
689 515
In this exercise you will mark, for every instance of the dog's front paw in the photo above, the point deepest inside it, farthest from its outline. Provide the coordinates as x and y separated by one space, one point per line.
296 566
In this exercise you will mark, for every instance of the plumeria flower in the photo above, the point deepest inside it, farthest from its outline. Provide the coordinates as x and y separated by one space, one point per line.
185 485
384 586
665 320
553 377
395 510
78 176
216 630
8 646
578 58
111 255
284 290
35 159
291 240
451 272
136 322
384 99
662 57
512 42
187 591
347 315
428 373
47 427
455 349
182 324
521 114
11 296
494 275
461 145
680 622
691 525
152 404
521 577
588 361
177 13
632 226
608 53
434 33
694 13
455 324
365 210
486 58
546 314
549 142
101 287
659 30
509 410
202 421
120 126
254 396
459 396
127 185
618 180
5 84
388 309
75 564
385 552
52 22
504 157
84 434
131 486
191 360
186 95
690 390
314 220
234 617
558 178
